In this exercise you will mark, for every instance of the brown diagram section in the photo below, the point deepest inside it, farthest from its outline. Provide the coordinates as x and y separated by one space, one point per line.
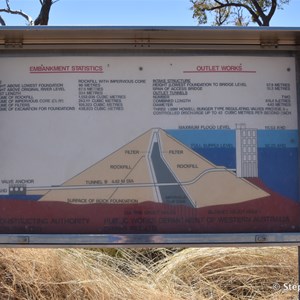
133 174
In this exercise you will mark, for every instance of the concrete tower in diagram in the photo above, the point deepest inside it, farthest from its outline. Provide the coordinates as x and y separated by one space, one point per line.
246 151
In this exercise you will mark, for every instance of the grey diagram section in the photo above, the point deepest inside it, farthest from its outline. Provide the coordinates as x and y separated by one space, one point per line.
173 194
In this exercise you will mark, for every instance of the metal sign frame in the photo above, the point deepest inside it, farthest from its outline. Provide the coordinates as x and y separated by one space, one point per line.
139 41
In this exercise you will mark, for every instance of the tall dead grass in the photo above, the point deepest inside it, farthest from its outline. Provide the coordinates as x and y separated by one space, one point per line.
141 274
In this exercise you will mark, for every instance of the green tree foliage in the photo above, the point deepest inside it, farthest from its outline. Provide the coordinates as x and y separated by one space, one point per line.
42 19
237 12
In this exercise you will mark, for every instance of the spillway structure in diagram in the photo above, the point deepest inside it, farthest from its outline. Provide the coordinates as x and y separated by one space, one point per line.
153 167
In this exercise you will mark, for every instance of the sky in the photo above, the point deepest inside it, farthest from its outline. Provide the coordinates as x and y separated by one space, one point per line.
131 13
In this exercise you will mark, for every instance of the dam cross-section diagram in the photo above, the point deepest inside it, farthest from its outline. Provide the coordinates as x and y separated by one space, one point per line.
153 167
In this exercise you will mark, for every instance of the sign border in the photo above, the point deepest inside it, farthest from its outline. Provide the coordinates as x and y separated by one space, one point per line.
149 240
24 41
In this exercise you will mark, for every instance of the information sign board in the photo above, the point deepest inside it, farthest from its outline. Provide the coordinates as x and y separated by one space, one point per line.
148 144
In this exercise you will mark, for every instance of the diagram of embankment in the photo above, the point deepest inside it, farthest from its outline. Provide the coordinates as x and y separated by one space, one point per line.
153 167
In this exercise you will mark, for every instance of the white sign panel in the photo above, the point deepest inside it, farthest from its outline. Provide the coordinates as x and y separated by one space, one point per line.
148 144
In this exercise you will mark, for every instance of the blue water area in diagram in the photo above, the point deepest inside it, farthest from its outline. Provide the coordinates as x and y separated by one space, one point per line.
277 154
21 197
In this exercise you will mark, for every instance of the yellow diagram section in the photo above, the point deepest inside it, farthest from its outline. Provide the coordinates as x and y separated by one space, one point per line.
222 187
117 166
184 162
125 167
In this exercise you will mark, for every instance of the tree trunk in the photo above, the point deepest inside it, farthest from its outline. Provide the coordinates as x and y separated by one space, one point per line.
43 17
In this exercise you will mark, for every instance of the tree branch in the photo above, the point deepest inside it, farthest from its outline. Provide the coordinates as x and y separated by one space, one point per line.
221 5
260 13
221 16
7 4
257 7
17 12
2 22
272 10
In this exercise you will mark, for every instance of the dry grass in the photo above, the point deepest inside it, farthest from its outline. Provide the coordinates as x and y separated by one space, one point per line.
205 273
